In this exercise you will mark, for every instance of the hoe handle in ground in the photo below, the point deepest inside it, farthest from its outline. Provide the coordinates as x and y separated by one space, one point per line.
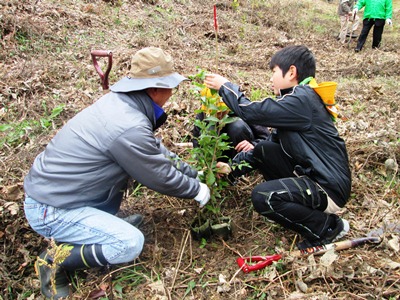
103 76
336 246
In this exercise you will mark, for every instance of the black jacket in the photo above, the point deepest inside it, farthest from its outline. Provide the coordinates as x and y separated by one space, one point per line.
305 132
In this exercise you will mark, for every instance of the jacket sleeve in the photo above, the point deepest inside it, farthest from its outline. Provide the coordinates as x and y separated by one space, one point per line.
143 158
291 112
177 162
389 9
360 4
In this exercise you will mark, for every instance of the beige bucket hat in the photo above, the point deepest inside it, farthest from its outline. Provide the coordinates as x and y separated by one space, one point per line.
151 67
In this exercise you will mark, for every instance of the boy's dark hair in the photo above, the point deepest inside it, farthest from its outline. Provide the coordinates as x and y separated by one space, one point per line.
299 56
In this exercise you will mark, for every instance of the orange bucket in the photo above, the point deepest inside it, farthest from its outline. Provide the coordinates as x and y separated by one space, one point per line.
326 90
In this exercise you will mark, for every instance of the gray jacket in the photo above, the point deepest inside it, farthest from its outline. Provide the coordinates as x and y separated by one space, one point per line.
92 157
345 7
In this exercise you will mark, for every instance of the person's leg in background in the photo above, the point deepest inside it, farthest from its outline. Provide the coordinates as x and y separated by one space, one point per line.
367 25
377 33
344 24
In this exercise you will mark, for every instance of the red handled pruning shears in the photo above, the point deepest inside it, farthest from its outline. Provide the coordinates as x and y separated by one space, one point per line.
262 262
103 76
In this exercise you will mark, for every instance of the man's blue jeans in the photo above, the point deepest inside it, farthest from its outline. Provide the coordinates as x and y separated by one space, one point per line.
120 241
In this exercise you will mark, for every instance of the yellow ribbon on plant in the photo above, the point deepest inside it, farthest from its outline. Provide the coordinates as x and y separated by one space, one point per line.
215 99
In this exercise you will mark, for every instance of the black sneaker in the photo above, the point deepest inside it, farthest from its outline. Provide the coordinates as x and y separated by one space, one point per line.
357 50
341 229
332 235
45 271
135 219
353 36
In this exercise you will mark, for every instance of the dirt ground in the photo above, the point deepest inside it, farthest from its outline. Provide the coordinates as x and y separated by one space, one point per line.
45 63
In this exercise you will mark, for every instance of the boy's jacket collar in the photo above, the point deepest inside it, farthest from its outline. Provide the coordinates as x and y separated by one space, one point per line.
283 92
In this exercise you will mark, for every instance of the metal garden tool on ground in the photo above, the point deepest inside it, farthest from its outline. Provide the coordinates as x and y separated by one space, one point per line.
263 261
103 76
260 262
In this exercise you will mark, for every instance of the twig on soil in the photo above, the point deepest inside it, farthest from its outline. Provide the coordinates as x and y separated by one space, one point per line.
327 284
230 248
181 252
293 243
365 162
282 286
234 276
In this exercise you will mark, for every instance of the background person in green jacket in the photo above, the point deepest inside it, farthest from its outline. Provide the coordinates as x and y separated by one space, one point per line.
376 12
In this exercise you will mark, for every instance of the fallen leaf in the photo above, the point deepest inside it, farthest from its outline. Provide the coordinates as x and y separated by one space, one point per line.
12 192
157 287
12 207
302 286
390 263
96 294
394 243
328 258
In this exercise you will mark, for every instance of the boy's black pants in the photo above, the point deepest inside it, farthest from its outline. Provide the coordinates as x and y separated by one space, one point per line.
296 203
237 131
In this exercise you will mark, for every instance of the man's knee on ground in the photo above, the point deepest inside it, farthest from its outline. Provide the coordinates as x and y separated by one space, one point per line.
132 247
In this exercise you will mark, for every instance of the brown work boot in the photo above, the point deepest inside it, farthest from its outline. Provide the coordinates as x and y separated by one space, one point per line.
46 272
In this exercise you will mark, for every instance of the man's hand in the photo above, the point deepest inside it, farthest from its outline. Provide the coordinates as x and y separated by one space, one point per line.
203 196
389 22
245 146
355 11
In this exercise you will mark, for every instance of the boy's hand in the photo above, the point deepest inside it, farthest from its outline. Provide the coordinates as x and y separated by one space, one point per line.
223 168
214 81
244 145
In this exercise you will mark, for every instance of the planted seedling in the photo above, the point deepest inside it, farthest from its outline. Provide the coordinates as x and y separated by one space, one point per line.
212 143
